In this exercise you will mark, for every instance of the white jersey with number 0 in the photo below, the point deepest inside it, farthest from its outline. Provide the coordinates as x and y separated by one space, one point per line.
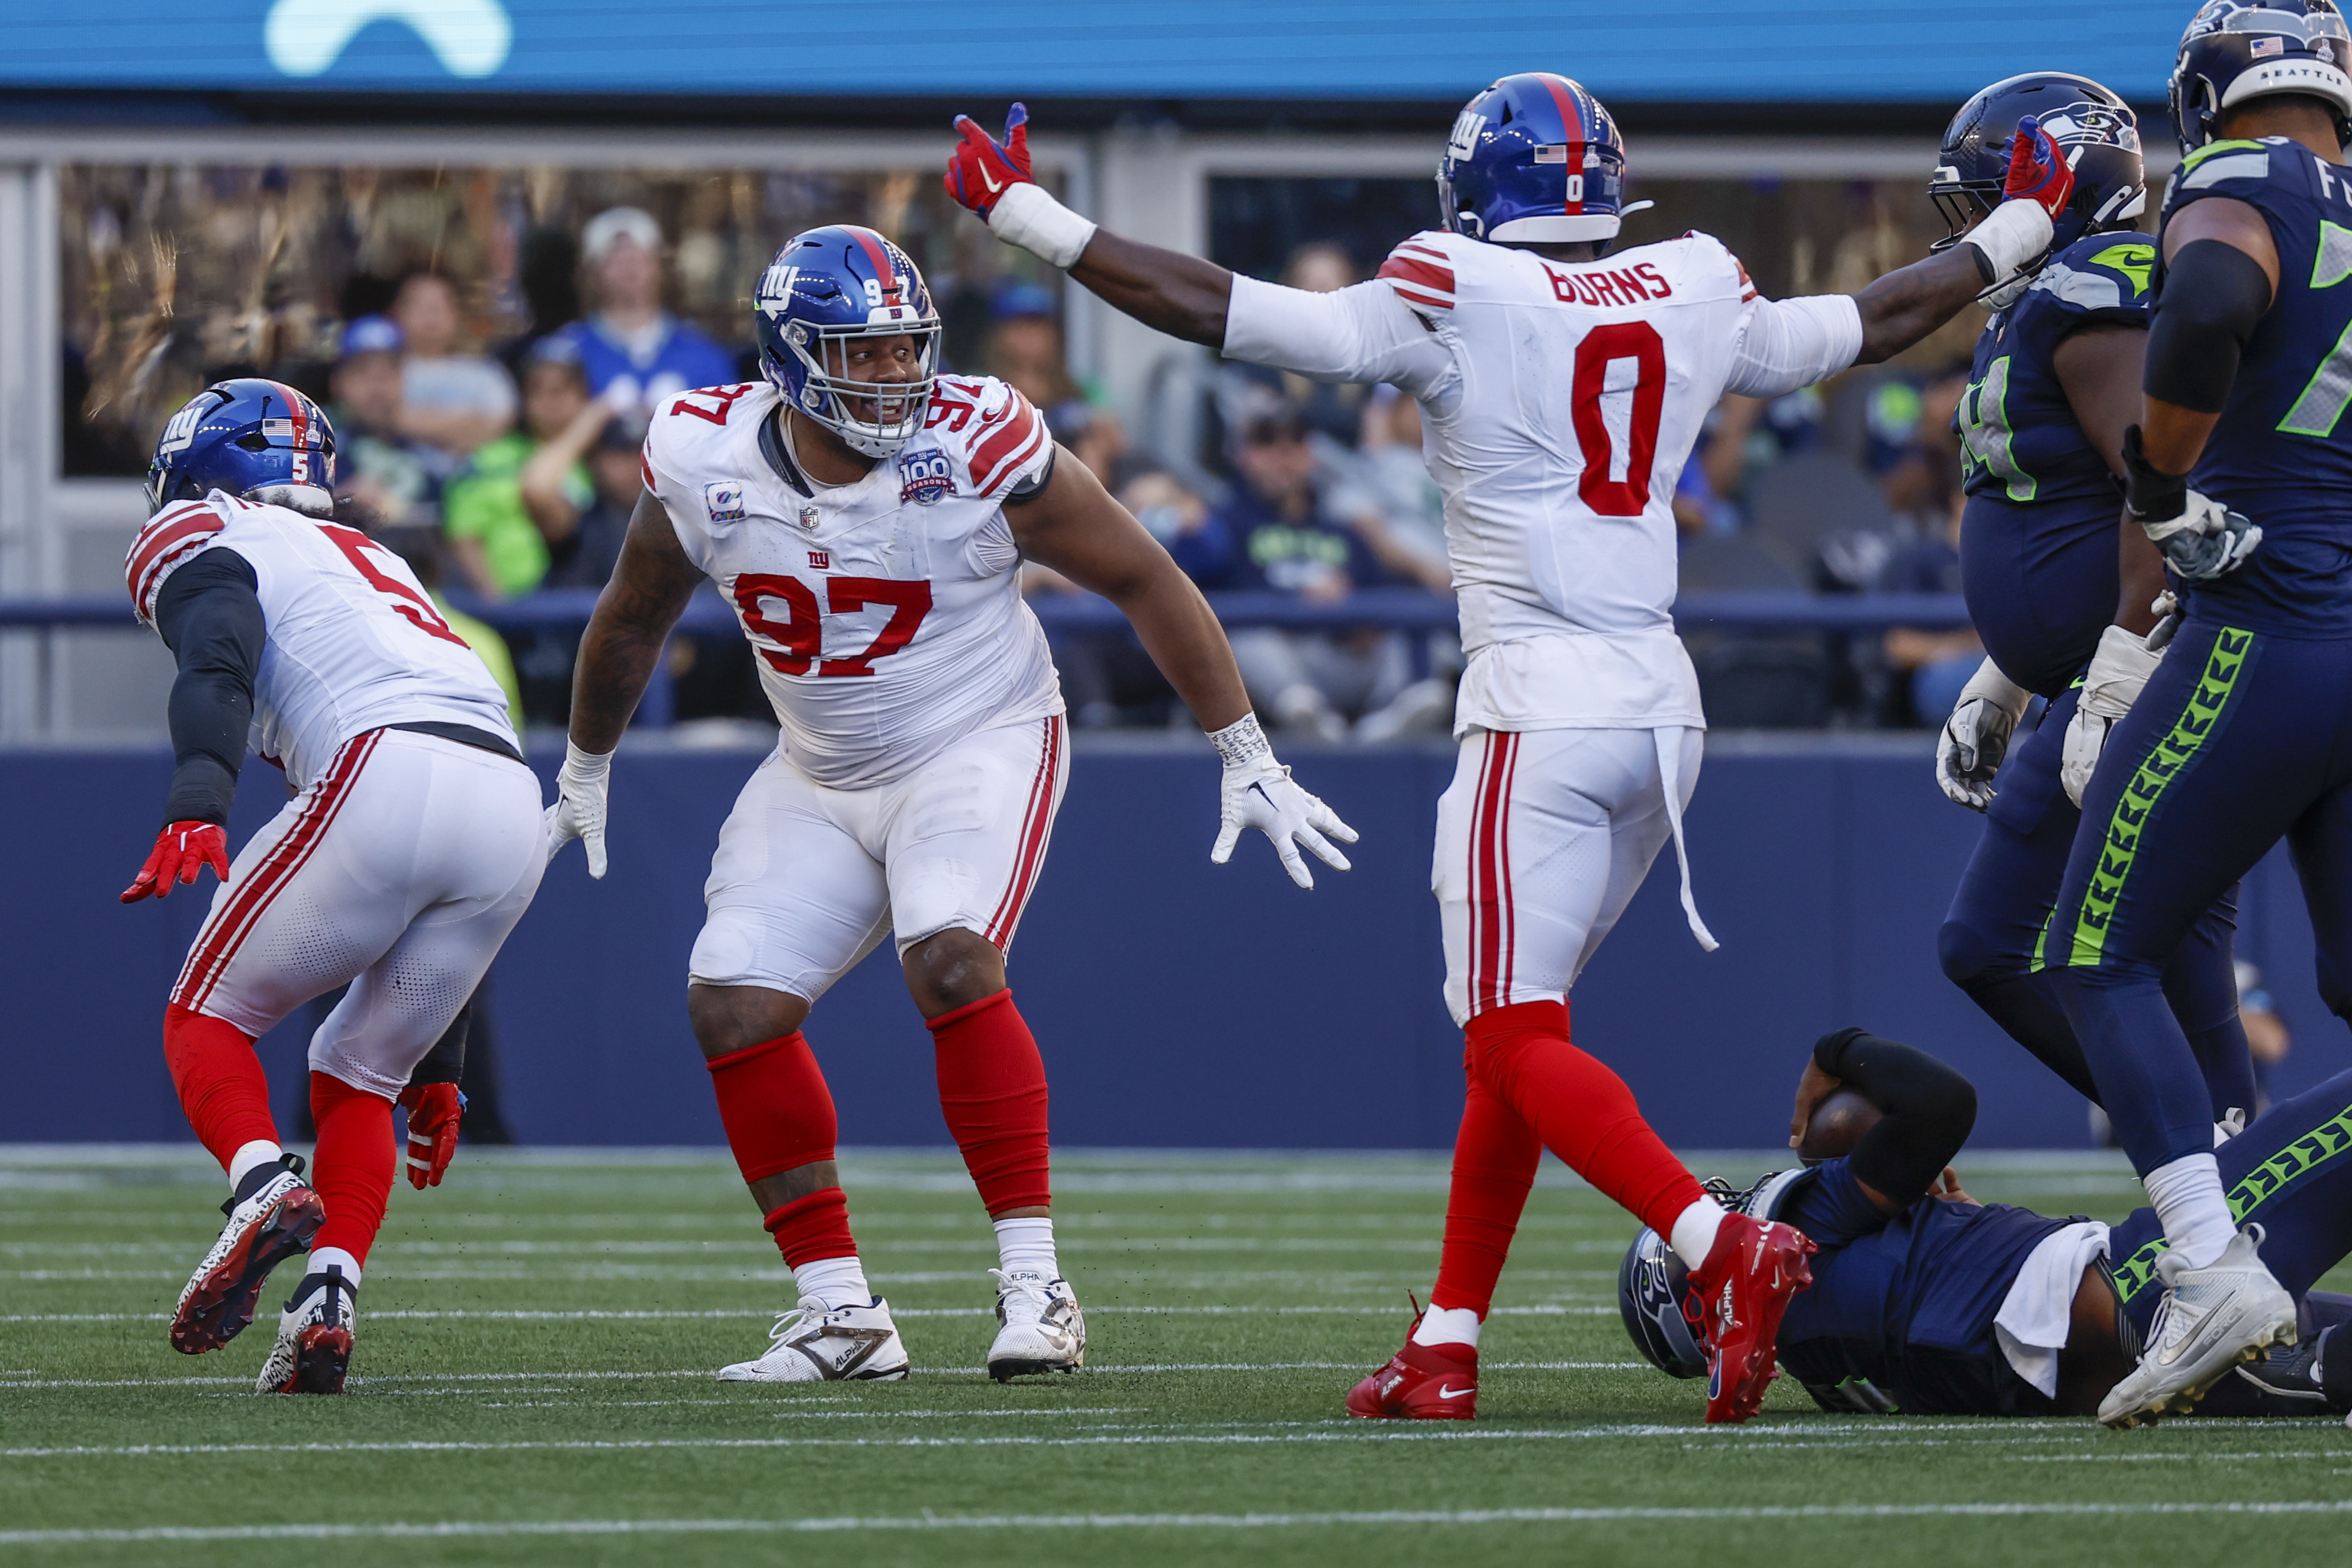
1559 402
353 642
886 615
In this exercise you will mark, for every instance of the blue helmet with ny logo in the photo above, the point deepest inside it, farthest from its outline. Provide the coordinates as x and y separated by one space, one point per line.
1533 159
827 314
255 439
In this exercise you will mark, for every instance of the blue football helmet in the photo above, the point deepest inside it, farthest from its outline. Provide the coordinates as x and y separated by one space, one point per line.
1653 1296
259 439
1533 159
2238 50
827 288
2093 128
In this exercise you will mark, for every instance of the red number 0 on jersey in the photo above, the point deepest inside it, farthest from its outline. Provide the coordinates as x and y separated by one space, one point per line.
407 603
801 634
1638 341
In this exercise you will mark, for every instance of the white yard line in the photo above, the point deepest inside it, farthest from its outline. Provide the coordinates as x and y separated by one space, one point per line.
929 1522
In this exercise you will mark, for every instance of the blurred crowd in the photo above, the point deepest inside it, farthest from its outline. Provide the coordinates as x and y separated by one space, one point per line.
490 363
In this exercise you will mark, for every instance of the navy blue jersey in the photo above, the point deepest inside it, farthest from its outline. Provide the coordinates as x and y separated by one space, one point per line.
2038 538
2281 454
1906 1303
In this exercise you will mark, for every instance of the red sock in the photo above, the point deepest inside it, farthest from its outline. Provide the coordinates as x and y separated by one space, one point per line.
1494 1159
810 1229
774 1105
993 1093
223 1092
351 1169
1581 1111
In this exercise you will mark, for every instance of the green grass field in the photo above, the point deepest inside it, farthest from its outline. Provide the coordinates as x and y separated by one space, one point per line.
533 1385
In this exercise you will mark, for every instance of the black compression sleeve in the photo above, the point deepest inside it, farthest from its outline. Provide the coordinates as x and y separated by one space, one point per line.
1930 1107
210 615
446 1062
2215 295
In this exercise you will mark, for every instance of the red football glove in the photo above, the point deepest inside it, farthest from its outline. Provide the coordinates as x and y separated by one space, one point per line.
2038 171
181 850
982 169
433 1112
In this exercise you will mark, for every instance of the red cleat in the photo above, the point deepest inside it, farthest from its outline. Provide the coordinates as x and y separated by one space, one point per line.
1740 1292
1421 1383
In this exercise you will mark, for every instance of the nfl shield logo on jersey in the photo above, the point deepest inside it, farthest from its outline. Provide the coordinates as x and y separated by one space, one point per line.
723 498
926 476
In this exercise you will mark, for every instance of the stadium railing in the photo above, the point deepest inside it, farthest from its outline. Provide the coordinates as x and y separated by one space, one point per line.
1419 615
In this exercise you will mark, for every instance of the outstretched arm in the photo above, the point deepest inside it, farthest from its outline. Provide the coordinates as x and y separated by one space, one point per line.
1076 528
1179 294
650 586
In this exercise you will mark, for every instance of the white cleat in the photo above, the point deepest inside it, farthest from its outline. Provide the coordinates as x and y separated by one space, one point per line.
817 1344
313 1351
2210 1320
275 1223
1044 1331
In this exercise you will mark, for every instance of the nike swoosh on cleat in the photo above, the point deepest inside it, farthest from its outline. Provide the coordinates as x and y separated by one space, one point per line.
1446 1393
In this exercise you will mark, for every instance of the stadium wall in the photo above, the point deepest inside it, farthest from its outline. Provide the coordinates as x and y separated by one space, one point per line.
1177 1005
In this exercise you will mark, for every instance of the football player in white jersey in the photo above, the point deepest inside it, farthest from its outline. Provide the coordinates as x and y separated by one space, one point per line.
1561 393
413 843
866 518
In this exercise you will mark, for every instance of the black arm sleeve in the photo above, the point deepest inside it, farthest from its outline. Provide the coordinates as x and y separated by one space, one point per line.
446 1062
1930 1107
209 612
2215 295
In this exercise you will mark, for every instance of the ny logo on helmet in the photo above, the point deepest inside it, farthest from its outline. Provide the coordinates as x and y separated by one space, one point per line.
1464 139
775 289
183 428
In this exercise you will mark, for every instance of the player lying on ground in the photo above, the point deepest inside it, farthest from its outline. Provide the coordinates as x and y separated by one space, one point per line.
413 843
2239 733
2054 384
1561 390
1927 1303
868 518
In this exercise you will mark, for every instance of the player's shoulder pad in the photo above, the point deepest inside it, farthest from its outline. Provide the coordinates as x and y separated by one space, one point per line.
1423 270
992 437
2104 274
693 428
2258 172
173 536
1700 261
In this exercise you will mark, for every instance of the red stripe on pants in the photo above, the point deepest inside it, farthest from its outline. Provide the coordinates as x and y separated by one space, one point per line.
1491 934
1037 823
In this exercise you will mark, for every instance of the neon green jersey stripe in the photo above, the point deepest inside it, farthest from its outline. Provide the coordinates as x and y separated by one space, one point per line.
2314 1149
2156 770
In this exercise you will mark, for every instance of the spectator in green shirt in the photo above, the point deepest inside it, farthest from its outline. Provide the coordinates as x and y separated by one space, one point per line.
514 510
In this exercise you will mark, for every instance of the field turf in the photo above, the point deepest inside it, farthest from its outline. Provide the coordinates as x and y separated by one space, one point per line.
535 1338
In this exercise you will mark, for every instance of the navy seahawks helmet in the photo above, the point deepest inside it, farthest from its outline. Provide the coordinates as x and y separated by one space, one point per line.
827 289
1653 1295
2238 50
1533 159
2093 128
260 439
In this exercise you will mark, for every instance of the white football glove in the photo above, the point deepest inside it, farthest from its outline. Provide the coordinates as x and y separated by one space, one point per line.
1258 793
1976 738
2119 670
578 809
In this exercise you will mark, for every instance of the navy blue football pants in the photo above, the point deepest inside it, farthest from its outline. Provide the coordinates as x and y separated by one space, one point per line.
2240 740
1991 942
2290 1173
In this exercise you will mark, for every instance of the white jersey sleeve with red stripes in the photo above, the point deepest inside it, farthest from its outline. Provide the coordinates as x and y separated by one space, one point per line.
170 538
995 436
1363 333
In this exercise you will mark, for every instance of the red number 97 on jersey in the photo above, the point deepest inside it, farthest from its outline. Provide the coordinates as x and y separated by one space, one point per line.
800 636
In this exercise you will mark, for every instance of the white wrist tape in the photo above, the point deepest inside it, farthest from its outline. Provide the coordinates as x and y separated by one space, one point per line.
1028 215
584 767
1243 744
2012 238
1990 684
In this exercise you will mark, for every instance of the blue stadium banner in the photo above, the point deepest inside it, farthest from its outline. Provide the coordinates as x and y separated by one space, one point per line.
1745 50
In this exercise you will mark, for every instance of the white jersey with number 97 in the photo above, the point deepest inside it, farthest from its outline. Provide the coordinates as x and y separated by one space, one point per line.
354 641
1560 401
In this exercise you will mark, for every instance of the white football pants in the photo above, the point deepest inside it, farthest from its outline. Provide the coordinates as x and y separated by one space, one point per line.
399 870
1542 839
807 880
